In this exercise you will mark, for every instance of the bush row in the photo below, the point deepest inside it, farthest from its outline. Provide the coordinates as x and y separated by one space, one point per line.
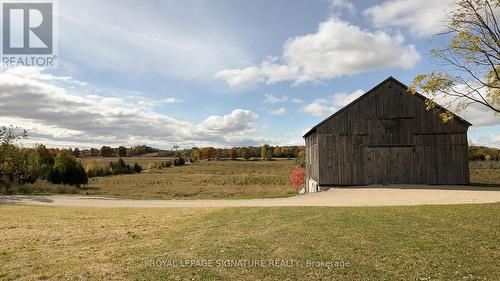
113 168
166 164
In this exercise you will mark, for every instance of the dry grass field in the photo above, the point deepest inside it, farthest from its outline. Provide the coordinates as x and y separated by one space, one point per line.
208 179
213 180
458 242
485 173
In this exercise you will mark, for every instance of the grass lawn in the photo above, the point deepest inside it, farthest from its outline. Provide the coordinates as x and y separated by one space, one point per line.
460 242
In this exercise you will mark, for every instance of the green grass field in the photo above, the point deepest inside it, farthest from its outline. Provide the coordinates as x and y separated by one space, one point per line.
384 243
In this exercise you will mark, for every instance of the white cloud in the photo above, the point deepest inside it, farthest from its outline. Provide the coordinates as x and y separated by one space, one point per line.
170 100
319 107
331 104
475 113
343 99
239 120
55 114
420 17
337 48
279 111
297 101
489 140
270 98
150 104
494 140
479 116
37 73
342 4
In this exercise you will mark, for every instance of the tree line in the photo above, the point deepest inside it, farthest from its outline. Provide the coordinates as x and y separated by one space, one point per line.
265 152
482 153
19 165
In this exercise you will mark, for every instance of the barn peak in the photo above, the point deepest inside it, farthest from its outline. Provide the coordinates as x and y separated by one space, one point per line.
372 90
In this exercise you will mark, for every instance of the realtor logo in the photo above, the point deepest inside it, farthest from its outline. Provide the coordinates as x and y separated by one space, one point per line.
28 34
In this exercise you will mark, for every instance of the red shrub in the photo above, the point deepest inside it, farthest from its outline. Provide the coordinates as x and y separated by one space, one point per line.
297 178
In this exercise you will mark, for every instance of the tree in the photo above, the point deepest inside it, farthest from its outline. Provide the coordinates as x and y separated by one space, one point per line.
278 151
195 155
67 170
94 152
13 159
9 135
266 152
77 153
208 152
245 153
41 161
263 151
122 151
473 60
176 149
107 151
233 153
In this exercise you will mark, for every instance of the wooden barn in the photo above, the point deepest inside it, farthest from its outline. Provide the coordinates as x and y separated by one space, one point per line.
386 136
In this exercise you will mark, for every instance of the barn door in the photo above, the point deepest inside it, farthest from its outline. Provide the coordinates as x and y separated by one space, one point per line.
377 161
385 165
401 164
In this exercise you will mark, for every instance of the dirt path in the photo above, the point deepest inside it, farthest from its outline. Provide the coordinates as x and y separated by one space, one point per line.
361 196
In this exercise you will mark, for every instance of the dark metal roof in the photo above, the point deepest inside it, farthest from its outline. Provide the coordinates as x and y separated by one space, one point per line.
390 78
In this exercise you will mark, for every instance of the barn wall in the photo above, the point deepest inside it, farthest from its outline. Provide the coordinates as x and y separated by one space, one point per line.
388 137
312 157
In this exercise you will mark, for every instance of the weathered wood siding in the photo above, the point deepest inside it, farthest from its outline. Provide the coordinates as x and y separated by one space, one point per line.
388 136
312 157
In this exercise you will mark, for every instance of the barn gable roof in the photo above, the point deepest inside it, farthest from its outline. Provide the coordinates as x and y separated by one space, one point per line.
390 78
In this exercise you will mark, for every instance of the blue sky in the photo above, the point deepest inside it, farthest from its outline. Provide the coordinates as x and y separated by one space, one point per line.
219 73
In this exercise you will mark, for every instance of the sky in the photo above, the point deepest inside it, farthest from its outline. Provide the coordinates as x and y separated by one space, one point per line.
219 73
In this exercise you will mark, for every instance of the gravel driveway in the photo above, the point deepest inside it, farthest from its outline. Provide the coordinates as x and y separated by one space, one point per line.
404 195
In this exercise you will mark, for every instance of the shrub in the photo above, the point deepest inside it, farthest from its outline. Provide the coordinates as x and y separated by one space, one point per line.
55 177
120 167
113 168
297 178
137 168
179 161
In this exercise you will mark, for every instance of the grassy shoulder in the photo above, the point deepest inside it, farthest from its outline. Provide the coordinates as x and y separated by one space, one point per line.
458 242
